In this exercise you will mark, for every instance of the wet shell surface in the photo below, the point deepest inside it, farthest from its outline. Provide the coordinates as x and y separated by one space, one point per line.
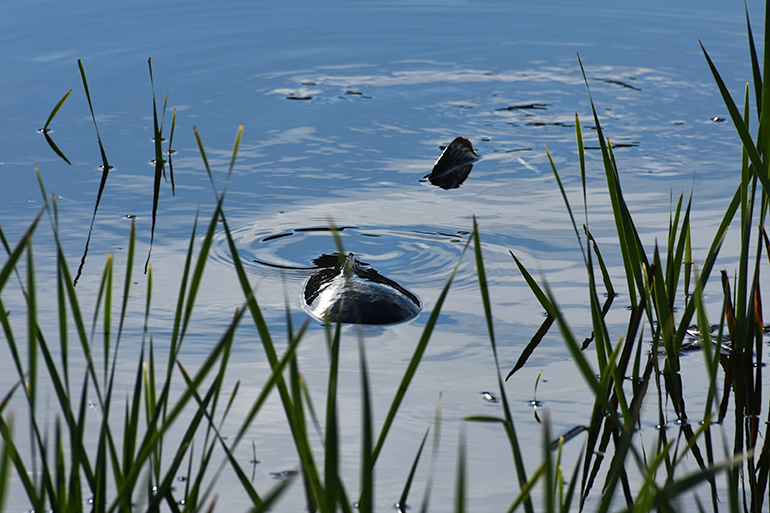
353 292
454 165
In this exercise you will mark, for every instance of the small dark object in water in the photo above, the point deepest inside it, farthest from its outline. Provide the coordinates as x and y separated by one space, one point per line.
489 397
454 165
618 82
533 106
350 291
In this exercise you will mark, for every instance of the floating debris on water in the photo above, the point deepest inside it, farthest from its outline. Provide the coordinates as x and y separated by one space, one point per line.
489 397
284 474
454 165
529 106
618 82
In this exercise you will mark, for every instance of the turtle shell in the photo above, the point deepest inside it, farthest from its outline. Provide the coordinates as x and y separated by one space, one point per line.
352 292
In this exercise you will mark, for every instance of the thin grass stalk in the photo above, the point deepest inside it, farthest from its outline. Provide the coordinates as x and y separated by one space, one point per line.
525 492
760 167
213 391
164 421
267 388
626 235
106 167
600 333
564 197
582 162
178 327
366 503
301 443
104 293
31 384
763 131
708 265
60 475
401 505
299 432
461 469
419 350
131 428
217 387
126 284
675 258
170 152
550 481
45 130
63 399
159 167
331 438
434 457
513 441
163 490
566 502
79 323
62 313
22 472
748 188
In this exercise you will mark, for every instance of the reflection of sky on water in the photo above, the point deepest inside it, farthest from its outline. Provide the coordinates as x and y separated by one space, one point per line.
390 83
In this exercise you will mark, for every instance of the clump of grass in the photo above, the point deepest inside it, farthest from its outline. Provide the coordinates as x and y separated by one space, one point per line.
654 283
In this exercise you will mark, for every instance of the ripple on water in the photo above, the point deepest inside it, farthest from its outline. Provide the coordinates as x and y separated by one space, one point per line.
419 255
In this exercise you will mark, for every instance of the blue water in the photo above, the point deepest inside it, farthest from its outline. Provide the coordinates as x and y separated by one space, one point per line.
386 84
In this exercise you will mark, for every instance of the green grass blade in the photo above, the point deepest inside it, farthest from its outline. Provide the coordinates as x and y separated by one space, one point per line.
235 466
170 152
9 266
460 484
127 281
5 476
366 503
508 424
756 74
564 197
416 357
56 109
402 504
331 443
268 503
533 343
55 148
267 388
433 459
743 132
105 171
45 130
22 472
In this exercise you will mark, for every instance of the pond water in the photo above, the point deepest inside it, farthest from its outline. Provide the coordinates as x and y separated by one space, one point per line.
346 106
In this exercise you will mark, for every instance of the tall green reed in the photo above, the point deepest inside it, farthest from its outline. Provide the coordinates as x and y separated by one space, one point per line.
654 285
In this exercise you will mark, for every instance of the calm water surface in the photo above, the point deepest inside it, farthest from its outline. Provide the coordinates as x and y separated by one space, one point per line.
383 86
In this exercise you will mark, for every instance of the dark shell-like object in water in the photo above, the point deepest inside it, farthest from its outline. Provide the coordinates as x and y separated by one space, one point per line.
350 291
454 165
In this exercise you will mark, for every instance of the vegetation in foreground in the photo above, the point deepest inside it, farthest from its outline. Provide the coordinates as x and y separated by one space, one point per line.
127 469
